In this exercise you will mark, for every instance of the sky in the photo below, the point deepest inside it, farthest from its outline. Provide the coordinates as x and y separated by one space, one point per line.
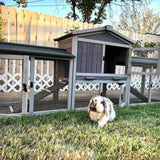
59 9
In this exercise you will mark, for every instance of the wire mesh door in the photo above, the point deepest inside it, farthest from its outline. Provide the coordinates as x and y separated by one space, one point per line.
145 77
12 85
50 91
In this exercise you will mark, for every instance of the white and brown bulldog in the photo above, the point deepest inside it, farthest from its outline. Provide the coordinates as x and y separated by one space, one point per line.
100 109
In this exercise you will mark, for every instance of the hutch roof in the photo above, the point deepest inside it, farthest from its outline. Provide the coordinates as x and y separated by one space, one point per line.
32 50
98 31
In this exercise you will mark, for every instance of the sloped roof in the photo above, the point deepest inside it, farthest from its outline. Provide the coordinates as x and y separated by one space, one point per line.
32 50
107 28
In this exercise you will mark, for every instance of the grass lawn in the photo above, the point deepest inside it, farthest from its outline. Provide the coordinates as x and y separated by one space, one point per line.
135 134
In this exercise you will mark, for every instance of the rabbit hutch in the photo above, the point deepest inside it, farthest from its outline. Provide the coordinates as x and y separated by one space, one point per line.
33 78
36 79
99 52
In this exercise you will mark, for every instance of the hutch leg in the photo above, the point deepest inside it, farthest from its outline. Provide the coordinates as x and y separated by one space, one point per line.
32 72
25 84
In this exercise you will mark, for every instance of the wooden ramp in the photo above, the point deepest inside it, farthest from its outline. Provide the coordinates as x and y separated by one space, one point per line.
139 95
46 92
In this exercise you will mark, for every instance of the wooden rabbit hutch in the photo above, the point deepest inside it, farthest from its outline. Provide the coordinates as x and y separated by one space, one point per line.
31 78
35 79
97 52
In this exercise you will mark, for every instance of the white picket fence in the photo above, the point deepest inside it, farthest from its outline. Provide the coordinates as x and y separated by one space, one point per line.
11 78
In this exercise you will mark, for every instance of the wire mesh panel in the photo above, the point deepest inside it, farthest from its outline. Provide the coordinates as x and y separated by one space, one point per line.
139 90
155 89
145 75
51 79
10 86
83 93
144 61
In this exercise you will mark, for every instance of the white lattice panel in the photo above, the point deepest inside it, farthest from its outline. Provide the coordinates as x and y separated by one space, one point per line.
42 81
136 81
156 82
11 79
13 82
87 86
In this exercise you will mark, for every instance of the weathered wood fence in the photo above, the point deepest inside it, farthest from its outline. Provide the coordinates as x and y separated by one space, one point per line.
35 28
40 29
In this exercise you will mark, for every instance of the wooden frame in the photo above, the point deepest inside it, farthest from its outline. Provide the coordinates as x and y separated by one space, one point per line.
103 42
25 72
25 81
101 75
74 52
150 86
70 87
9 56
102 71
122 95
124 89
55 97
32 72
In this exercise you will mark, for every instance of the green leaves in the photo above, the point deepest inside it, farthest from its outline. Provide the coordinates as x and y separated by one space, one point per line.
144 53
91 11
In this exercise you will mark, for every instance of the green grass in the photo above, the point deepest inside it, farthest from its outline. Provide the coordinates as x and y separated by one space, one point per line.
135 134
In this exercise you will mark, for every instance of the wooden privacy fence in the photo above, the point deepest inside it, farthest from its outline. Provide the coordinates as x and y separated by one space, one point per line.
35 28
40 29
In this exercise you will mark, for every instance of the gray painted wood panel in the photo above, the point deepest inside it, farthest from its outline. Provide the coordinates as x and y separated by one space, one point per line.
91 78
66 44
89 58
106 36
